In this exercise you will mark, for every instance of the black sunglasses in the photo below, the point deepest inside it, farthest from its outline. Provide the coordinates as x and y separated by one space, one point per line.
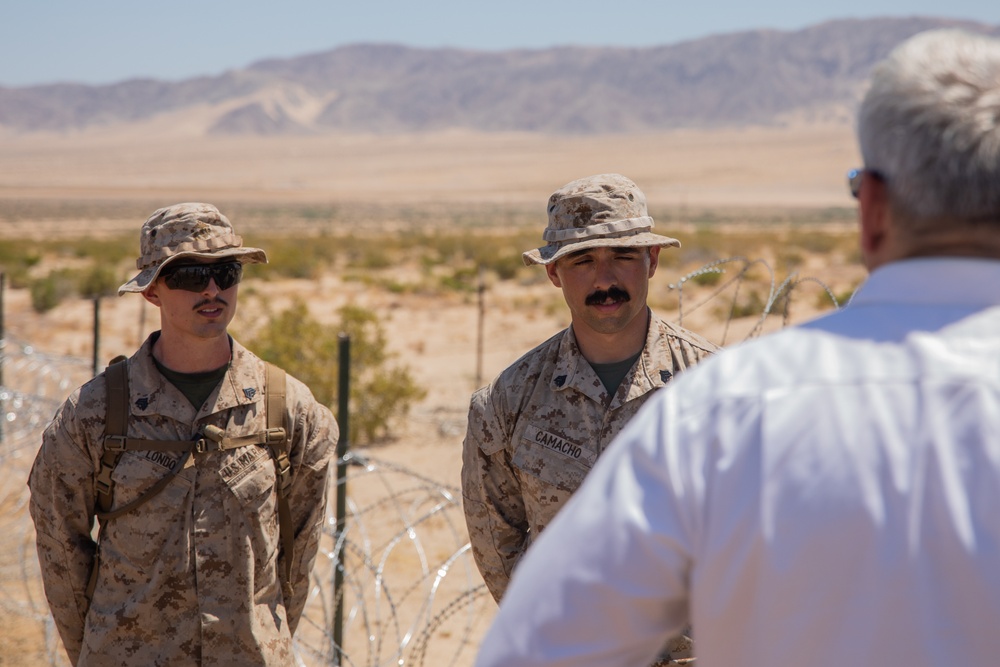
854 177
195 277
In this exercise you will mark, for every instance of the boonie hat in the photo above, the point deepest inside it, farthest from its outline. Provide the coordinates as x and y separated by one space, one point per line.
186 230
602 210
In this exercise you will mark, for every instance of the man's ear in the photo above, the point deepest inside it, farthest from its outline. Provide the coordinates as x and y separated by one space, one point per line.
654 259
875 222
151 295
550 271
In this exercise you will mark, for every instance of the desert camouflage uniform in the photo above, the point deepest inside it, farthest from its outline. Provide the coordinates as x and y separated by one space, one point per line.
192 576
537 431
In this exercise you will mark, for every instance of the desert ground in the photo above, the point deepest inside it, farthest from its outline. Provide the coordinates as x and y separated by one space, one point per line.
49 184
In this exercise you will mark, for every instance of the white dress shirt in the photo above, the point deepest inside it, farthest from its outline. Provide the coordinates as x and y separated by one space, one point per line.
828 495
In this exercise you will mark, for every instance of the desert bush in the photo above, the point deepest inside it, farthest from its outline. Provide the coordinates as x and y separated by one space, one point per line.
381 394
16 259
50 291
296 258
110 250
462 279
496 252
99 280
373 258
816 241
506 262
295 341
790 259
748 303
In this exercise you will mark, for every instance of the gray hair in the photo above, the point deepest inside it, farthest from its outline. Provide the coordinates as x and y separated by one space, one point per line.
930 125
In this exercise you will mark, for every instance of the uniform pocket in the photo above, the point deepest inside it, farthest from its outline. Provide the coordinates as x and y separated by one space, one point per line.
552 469
142 535
250 476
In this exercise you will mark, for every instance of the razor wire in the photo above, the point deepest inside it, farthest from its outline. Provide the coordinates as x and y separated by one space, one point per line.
778 299
411 592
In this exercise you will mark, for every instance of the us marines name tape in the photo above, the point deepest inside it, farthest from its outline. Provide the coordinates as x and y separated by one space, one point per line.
559 444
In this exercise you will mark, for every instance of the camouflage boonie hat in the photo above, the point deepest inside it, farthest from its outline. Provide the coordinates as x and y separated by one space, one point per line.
186 230
603 210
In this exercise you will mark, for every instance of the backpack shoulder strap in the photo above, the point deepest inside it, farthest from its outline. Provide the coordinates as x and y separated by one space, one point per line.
274 388
115 428
277 440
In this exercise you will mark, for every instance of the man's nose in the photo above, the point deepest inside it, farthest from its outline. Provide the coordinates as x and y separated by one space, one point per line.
604 275
211 288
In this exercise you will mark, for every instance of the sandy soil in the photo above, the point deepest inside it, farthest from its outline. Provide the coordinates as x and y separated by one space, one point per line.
792 166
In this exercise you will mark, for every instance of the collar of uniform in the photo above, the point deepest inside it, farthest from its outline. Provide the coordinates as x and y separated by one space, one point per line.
655 357
152 394
572 370
242 385
952 281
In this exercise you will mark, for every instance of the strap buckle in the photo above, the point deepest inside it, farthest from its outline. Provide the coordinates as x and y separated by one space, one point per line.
115 443
274 436
212 440
283 471
103 486
202 445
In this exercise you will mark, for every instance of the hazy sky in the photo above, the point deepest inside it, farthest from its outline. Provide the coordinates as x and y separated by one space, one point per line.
104 41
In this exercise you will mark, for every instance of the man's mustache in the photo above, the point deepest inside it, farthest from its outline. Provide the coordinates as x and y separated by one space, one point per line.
209 302
615 294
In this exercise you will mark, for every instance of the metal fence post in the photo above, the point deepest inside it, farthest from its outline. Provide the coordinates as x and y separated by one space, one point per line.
343 443
97 331
481 291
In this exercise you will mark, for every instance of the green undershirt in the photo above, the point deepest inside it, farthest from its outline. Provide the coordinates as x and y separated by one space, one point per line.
195 386
612 374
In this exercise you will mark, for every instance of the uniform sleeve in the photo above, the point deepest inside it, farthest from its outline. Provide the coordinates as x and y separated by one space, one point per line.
62 508
491 494
607 583
314 445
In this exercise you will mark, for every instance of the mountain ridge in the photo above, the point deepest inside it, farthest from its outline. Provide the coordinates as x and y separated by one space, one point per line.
759 77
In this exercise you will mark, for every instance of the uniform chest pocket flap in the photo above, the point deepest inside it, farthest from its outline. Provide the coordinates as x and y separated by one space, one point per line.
552 458
250 476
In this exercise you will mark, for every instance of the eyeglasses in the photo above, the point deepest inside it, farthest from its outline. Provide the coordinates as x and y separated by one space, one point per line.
195 277
855 176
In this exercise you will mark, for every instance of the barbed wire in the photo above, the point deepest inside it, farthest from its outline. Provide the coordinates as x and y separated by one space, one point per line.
779 296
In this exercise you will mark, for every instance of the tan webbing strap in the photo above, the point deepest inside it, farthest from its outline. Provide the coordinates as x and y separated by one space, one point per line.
275 392
215 440
115 427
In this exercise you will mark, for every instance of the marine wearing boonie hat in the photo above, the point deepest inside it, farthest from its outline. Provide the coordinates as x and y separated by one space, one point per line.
602 210
186 230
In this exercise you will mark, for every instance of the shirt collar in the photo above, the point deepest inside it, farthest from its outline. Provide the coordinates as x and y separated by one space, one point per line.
243 384
940 280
